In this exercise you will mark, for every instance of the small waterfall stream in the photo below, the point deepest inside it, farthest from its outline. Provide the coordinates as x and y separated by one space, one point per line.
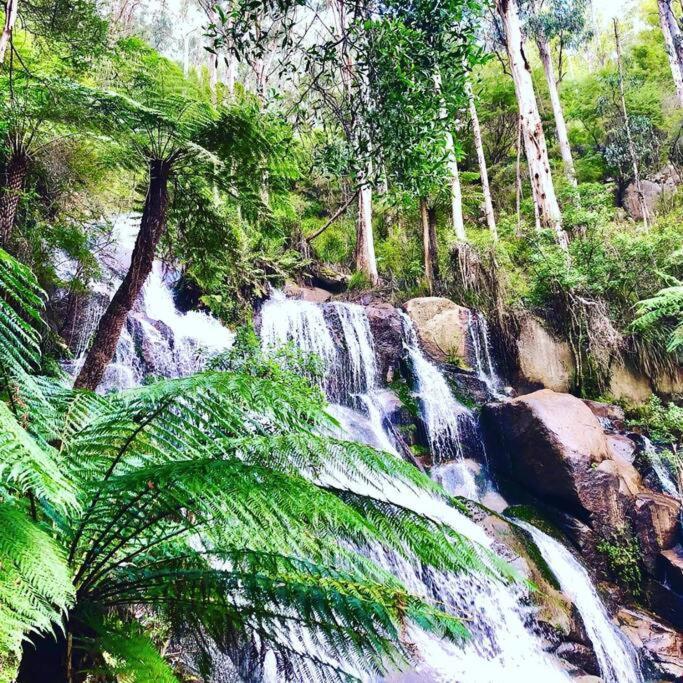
480 345
617 659
157 340
665 478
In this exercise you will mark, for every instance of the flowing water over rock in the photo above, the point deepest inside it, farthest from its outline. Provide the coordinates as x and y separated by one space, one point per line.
480 345
501 648
157 340
617 659
664 476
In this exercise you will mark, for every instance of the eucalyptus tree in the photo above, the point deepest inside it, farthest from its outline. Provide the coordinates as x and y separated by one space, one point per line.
338 74
542 186
673 43
481 160
207 504
564 22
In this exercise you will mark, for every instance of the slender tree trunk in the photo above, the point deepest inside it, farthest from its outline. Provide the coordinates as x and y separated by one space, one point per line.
14 177
456 191
627 126
366 262
428 220
11 10
481 157
542 186
558 113
672 43
151 228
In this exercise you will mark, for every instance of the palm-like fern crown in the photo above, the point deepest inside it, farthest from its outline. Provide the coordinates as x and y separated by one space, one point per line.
213 500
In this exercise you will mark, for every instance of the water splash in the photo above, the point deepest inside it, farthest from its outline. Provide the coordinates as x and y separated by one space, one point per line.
616 656
157 339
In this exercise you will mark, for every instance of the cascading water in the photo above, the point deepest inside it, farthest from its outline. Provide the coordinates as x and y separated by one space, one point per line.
157 340
617 659
480 345
501 647
448 423
666 480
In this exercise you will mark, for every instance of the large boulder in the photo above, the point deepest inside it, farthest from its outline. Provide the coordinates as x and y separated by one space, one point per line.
553 445
386 324
544 361
659 645
316 295
442 327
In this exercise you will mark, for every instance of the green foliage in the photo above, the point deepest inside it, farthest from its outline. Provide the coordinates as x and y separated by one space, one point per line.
622 552
662 422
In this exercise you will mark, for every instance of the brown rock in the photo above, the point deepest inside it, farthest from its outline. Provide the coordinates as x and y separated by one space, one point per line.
580 656
441 325
660 644
651 194
672 567
657 522
315 295
553 445
386 325
605 411
544 360
628 384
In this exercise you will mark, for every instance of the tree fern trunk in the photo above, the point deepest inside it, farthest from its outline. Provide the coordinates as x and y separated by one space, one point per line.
428 219
151 228
10 192
44 659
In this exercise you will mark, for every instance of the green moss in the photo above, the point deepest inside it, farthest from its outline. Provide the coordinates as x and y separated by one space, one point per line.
402 389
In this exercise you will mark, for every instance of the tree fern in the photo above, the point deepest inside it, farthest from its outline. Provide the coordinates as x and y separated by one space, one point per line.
217 502
35 583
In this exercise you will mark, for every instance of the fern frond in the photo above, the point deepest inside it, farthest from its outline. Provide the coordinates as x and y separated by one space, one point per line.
35 583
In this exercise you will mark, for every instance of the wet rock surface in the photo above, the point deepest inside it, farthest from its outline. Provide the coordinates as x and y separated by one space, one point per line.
442 327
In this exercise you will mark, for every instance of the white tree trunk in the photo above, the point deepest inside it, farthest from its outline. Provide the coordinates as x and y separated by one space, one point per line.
672 43
456 190
366 262
542 186
11 9
558 113
481 157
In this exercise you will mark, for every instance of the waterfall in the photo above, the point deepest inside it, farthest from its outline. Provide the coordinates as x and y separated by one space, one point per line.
480 345
157 340
501 646
447 421
616 656
666 481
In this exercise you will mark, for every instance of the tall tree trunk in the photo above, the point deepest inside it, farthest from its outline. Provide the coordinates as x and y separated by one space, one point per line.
428 220
366 262
456 190
558 113
14 177
151 228
11 9
627 126
542 186
483 170
672 43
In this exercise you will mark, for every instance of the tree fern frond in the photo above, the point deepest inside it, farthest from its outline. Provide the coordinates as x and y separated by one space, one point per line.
35 583
28 468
